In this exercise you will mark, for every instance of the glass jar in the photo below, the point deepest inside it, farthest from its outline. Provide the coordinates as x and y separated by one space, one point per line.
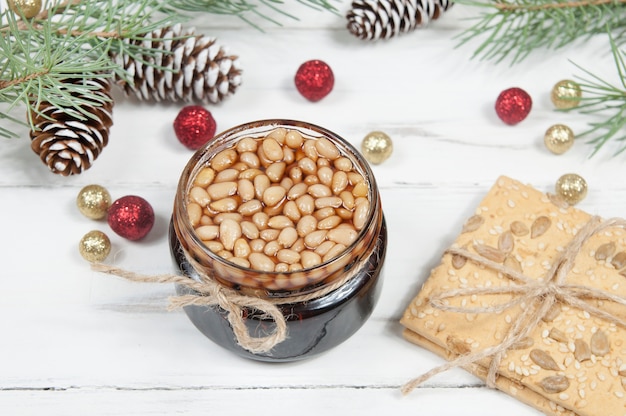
333 299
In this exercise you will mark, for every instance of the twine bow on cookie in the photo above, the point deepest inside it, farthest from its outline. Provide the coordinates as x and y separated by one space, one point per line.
211 293
540 295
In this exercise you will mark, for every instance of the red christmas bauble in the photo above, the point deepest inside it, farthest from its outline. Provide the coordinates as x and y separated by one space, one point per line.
194 126
513 105
131 217
314 80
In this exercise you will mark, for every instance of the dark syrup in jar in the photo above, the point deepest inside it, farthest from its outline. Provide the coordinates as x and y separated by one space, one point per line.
314 326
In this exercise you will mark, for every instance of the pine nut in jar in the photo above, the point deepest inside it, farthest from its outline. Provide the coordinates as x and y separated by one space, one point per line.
288 212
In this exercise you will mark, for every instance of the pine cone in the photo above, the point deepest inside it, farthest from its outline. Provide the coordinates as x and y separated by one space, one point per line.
64 141
383 19
191 68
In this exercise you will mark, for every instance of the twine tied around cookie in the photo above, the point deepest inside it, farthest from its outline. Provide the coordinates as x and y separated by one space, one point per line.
539 294
211 293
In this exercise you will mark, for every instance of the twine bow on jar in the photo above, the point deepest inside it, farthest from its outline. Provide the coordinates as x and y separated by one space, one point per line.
540 294
211 293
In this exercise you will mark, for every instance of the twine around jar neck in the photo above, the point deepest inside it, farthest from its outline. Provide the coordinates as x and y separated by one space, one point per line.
540 294
210 293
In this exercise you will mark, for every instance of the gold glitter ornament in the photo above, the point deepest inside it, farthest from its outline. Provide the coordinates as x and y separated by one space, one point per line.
93 201
572 188
566 94
95 246
559 138
376 147
26 8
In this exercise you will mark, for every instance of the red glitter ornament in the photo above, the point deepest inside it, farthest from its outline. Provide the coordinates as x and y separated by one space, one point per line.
314 80
513 105
131 217
194 126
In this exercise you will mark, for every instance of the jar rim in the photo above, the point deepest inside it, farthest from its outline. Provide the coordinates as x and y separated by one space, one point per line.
221 141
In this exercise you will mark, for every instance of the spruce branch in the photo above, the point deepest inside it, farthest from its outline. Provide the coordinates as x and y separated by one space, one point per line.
605 99
243 9
513 29
72 39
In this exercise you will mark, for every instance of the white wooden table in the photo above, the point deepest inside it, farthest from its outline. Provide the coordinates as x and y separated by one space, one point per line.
75 342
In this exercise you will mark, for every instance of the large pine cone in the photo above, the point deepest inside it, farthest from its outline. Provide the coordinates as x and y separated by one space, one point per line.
383 19
191 68
65 140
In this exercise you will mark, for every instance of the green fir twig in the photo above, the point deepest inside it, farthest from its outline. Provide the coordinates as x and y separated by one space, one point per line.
71 39
601 97
244 9
513 29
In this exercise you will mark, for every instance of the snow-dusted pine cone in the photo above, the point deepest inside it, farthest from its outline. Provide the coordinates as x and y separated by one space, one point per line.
66 141
191 68
383 19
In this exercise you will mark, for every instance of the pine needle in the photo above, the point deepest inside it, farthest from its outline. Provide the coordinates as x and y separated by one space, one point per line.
71 39
605 99
513 29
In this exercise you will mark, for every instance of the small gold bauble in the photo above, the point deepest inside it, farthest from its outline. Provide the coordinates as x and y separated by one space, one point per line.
93 201
566 94
26 8
559 138
95 246
376 147
572 188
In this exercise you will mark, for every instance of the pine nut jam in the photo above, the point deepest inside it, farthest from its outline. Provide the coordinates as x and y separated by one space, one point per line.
281 209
